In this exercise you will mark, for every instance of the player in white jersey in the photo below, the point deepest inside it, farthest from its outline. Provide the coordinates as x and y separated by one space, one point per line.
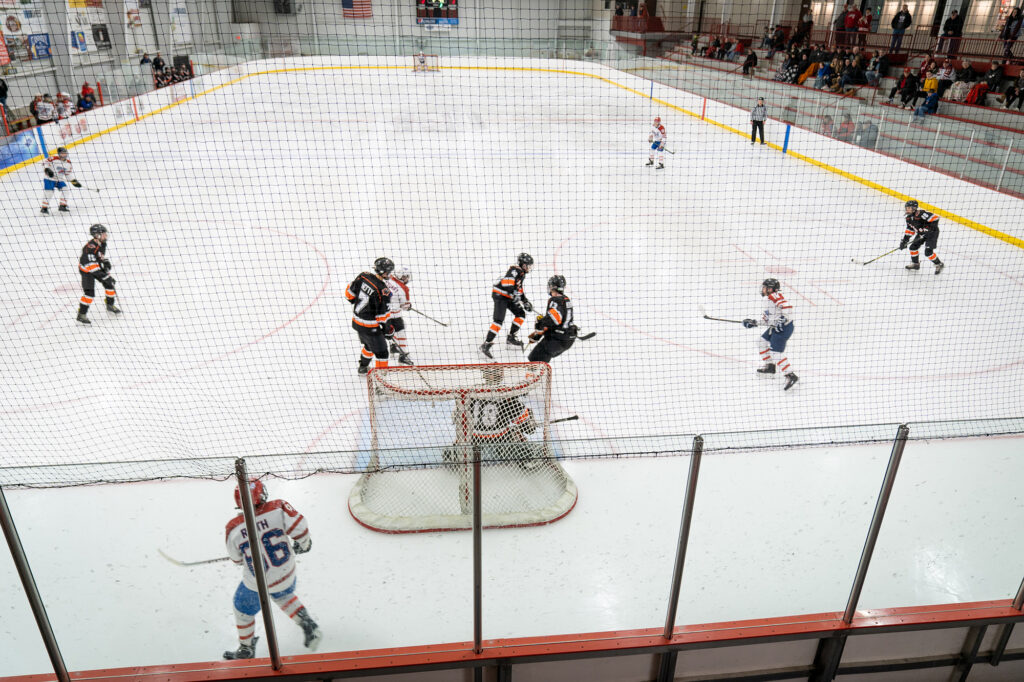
45 111
65 107
657 139
276 522
398 283
57 173
778 317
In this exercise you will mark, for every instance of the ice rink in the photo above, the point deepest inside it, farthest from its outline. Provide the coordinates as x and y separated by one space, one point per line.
238 218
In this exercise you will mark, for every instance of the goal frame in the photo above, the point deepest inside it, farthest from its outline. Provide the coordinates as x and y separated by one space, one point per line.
469 469
431 63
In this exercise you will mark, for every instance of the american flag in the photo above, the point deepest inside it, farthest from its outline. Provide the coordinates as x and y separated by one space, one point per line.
357 9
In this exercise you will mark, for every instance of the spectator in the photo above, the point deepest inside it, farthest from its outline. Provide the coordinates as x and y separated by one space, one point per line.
846 129
736 49
864 27
1010 32
158 63
3 98
750 63
85 102
1015 92
87 90
757 118
766 39
907 84
34 104
930 105
724 48
952 30
778 41
900 23
826 125
852 75
45 111
877 69
824 76
919 91
945 76
994 75
866 135
962 85
145 61
851 20
693 43
618 9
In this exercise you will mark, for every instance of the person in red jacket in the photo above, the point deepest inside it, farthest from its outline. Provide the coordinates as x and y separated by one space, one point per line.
850 21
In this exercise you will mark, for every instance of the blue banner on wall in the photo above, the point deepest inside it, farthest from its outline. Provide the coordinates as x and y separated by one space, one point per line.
39 45
19 147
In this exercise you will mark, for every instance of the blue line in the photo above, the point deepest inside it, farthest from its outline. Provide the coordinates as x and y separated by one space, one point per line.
42 142
785 144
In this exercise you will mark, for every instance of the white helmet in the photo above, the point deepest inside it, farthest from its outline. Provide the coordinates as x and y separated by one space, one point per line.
657 120
403 274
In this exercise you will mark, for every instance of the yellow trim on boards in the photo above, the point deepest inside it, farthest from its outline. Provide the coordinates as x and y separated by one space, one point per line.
967 222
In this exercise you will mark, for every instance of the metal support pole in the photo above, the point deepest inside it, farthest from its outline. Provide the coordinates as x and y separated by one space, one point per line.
1004 633
876 521
968 653
935 144
256 554
31 591
684 535
967 156
999 182
477 558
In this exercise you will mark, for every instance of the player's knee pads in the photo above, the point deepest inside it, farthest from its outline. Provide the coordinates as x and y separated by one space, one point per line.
246 601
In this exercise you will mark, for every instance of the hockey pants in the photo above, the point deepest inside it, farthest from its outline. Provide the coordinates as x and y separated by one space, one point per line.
89 289
374 346
501 305
773 345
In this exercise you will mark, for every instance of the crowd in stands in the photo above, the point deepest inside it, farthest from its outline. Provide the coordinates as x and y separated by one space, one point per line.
45 108
164 75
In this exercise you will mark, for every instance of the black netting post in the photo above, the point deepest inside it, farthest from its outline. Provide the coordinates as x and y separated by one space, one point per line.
31 591
477 557
256 552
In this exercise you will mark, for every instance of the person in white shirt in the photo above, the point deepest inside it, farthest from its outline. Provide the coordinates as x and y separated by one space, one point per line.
657 139
398 283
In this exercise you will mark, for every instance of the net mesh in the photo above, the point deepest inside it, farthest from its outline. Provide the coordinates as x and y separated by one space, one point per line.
278 159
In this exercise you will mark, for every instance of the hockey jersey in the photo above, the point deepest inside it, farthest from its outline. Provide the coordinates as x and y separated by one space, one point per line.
658 133
277 523
371 301
500 418
65 109
61 169
779 312
922 223
558 318
511 285
399 296
94 258
45 111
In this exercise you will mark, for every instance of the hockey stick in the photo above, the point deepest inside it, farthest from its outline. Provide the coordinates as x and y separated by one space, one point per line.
716 319
584 337
854 260
443 324
564 419
191 563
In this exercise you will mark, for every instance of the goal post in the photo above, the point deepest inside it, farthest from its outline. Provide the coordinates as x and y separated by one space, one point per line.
428 425
425 62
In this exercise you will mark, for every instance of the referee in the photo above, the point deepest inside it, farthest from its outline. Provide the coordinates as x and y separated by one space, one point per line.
757 117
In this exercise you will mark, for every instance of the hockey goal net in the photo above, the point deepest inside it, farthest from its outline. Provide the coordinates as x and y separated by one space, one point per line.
425 62
428 425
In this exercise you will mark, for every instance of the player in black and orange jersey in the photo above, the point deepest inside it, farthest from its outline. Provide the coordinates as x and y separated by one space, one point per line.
94 267
371 301
507 294
923 228
555 329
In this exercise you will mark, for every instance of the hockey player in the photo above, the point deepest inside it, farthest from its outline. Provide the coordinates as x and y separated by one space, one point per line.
276 522
398 284
778 317
65 107
95 267
507 294
56 170
371 300
555 329
657 139
45 110
923 228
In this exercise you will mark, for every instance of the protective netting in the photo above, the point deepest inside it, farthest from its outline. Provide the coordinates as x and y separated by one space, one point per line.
284 147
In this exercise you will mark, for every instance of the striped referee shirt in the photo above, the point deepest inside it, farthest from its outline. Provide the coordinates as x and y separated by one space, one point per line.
759 113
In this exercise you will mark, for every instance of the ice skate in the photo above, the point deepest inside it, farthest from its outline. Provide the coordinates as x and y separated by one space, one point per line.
769 368
513 340
83 319
64 209
914 266
111 308
363 369
485 350
650 162
790 380
310 628
660 166
395 350
939 265
45 210
405 359
243 651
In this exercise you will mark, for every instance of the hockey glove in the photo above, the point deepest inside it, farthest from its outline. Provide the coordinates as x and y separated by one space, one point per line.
527 306
536 336
904 242
389 330
76 183
106 265
749 323
49 173
406 306
302 546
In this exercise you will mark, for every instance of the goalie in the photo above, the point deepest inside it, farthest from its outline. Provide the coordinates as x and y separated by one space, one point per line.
498 425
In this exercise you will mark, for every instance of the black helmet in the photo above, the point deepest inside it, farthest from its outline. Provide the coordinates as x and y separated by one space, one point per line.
557 282
771 283
912 204
62 151
97 229
383 266
525 259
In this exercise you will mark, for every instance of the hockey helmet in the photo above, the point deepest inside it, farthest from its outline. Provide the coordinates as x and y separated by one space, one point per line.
772 284
557 282
403 274
657 120
62 152
256 490
912 205
383 266
525 259
97 229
